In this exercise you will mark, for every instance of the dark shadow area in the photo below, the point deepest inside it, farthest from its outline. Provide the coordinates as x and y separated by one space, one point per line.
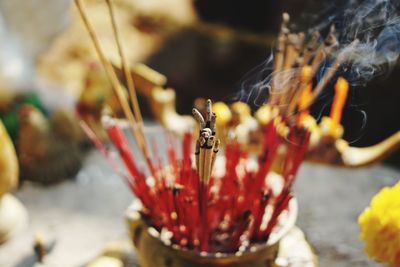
199 63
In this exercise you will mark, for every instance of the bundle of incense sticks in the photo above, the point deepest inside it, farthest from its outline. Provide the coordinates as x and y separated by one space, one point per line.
188 205
214 214
296 63
207 147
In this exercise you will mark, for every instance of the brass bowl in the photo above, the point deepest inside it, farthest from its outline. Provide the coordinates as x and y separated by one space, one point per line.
153 252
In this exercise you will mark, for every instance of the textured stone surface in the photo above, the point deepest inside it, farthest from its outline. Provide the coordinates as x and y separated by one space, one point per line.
83 216
330 201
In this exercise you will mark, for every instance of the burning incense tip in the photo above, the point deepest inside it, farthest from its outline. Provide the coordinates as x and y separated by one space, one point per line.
199 118
205 145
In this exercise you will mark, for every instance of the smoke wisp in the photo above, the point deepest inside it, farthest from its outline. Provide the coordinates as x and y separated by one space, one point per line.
376 26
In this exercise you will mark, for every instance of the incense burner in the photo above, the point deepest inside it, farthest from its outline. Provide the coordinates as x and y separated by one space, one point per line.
152 251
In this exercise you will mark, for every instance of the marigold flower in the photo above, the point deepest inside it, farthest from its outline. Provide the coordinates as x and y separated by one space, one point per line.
380 226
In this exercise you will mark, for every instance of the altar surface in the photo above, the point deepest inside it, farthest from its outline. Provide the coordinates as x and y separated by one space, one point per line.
85 215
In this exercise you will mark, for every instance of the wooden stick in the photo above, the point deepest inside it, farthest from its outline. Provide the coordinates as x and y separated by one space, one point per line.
197 155
292 49
319 56
207 165
332 70
310 48
201 163
205 144
213 123
298 85
279 56
208 159
209 113
280 53
114 80
295 42
214 154
298 45
301 85
324 49
125 67
199 118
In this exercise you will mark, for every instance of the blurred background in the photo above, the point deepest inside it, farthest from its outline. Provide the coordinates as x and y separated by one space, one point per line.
205 48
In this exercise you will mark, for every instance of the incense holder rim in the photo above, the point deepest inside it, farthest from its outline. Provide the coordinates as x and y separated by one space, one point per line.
134 217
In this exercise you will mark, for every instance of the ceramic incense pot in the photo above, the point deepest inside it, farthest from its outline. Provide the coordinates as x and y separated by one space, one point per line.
153 252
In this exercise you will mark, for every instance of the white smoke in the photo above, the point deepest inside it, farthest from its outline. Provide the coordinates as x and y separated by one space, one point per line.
375 23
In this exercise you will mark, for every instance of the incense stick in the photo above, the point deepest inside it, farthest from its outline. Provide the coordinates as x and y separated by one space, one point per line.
324 49
215 151
99 144
113 79
295 42
279 56
205 213
309 49
205 158
331 71
125 67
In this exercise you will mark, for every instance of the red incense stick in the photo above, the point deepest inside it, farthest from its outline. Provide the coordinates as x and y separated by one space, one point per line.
211 214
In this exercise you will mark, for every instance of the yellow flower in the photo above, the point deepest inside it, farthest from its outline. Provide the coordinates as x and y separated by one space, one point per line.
380 226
